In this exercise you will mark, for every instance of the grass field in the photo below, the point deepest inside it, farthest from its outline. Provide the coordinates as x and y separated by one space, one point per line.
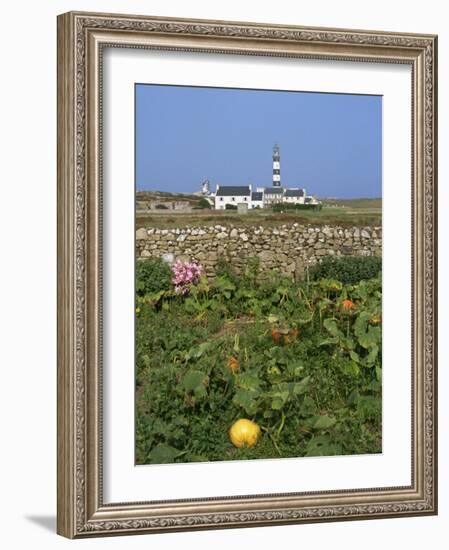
344 212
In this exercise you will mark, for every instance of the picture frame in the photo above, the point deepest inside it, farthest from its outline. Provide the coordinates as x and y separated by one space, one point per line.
82 40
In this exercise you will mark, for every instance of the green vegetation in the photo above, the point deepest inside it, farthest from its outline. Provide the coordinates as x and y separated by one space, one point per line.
203 204
349 270
356 212
152 275
302 360
285 207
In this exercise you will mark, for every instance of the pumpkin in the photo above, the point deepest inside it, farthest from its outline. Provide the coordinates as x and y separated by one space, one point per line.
244 432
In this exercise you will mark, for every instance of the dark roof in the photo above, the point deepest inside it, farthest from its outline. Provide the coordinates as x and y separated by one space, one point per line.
294 192
233 190
256 196
274 191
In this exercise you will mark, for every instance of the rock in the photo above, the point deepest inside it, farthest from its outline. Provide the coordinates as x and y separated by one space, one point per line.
200 256
141 234
266 256
168 258
244 237
222 235
234 233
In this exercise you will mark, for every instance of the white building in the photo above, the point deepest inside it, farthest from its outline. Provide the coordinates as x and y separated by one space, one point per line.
273 195
294 196
232 195
257 199
263 197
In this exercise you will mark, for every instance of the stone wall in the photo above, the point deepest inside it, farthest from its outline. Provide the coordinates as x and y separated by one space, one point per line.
288 248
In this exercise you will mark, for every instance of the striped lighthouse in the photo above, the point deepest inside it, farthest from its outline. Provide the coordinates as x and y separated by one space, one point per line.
276 166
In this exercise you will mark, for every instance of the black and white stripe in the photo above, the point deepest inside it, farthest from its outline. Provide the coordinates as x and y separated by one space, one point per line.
276 166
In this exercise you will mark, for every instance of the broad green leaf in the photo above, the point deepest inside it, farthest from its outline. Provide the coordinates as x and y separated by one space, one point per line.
246 399
379 373
301 387
163 454
324 422
322 446
194 379
372 355
248 381
308 406
353 397
331 326
328 341
361 323
277 404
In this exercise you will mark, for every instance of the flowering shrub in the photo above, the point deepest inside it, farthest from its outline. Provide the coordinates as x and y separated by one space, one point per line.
185 274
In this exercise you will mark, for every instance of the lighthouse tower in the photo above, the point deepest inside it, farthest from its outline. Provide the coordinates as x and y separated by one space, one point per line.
276 166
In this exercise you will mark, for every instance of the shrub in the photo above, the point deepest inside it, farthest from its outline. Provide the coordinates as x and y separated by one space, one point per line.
230 207
225 268
161 207
185 274
152 275
203 204
283 206
348 270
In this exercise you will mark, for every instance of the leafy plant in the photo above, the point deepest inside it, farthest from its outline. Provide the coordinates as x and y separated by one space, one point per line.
152 275
347 269
301 360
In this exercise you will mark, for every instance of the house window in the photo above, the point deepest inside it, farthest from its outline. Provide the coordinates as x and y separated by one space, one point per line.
221 198
245 199
233 198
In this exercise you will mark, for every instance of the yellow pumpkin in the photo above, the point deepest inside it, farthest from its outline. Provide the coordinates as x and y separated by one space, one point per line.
244 432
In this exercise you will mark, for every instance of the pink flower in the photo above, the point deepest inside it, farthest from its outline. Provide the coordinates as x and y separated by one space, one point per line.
185 274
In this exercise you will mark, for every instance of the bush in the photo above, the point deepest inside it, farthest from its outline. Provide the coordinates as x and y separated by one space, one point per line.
203 204
152 275
161 207
230 207
348 270
283 206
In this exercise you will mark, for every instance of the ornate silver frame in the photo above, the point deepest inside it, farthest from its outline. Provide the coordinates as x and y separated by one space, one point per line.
81 37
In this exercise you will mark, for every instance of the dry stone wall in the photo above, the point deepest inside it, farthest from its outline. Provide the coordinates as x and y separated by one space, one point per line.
288 248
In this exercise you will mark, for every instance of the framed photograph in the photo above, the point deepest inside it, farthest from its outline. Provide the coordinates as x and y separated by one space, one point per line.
246 274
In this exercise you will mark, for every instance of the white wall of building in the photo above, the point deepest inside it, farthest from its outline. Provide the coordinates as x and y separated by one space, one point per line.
221 202
294 200
255 204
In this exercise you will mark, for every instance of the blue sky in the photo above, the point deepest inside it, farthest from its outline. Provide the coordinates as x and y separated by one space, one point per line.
331 144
